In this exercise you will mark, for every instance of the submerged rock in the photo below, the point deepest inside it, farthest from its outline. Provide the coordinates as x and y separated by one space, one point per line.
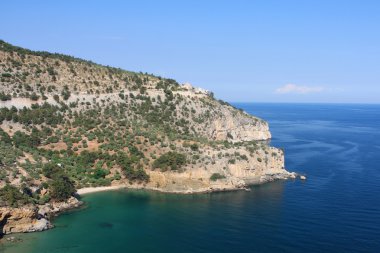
105 225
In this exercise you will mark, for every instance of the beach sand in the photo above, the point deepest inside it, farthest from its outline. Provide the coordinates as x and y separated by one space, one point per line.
87 190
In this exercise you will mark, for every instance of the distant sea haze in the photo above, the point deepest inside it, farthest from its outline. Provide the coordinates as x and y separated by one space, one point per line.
337 209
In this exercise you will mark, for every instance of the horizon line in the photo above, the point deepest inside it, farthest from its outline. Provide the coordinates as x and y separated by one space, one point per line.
334 103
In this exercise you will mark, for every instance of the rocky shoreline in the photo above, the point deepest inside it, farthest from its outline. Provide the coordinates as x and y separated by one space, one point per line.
164 136
35 218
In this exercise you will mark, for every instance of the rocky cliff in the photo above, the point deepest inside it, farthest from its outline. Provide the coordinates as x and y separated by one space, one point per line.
23 219
235 172
32 218
67 123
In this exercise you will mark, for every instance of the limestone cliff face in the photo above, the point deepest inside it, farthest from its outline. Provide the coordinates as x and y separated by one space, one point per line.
262 166
217 120
239 127
24 219
31 218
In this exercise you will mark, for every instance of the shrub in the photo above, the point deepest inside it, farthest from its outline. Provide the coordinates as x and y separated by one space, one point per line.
244 157
232 161
10 195
56 98
100 173
138 174
170 160
5 97
66 94
217 176
50 169
4 137
22 139
6 75
34 96
194 147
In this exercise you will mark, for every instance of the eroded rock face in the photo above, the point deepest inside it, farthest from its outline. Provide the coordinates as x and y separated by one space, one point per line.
226 123
24 219
238 128
32 218
263 166
244 129
57 207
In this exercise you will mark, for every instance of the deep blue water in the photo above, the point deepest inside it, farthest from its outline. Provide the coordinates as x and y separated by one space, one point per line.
336 210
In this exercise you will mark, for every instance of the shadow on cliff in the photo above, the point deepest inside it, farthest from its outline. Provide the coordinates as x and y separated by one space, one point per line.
2 224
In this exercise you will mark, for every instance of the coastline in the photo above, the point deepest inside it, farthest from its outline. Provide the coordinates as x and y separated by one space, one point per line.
259 181
87 190
47 211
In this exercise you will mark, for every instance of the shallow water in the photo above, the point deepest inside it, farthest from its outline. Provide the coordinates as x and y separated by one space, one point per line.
336 210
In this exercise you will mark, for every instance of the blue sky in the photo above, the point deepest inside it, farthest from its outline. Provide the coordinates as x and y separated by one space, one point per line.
247 51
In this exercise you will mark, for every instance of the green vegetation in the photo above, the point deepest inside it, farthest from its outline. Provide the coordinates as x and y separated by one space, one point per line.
66 94
5 97
61 188
6 75
138 175
216 176
38 114
194 147
100 173
50 170
34 96
10 48
170 161
232 161
86 137
12 196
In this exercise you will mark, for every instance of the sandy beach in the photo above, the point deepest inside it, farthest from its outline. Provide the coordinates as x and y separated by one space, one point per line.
87 190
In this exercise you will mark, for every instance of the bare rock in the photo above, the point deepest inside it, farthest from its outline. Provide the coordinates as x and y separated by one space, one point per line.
24 219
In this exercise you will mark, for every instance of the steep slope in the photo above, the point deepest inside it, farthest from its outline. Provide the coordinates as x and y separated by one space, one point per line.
67 123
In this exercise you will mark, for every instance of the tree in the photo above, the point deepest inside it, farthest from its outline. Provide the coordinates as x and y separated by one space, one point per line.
5 97
61 188
34 96
23 139
100 173
10 195
50 170
170 160
4 137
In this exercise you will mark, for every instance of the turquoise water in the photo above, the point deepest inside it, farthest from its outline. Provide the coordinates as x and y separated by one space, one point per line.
336 210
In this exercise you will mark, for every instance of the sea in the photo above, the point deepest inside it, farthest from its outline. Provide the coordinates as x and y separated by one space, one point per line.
337 209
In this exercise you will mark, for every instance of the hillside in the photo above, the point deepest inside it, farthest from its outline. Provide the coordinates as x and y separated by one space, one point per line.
67 124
